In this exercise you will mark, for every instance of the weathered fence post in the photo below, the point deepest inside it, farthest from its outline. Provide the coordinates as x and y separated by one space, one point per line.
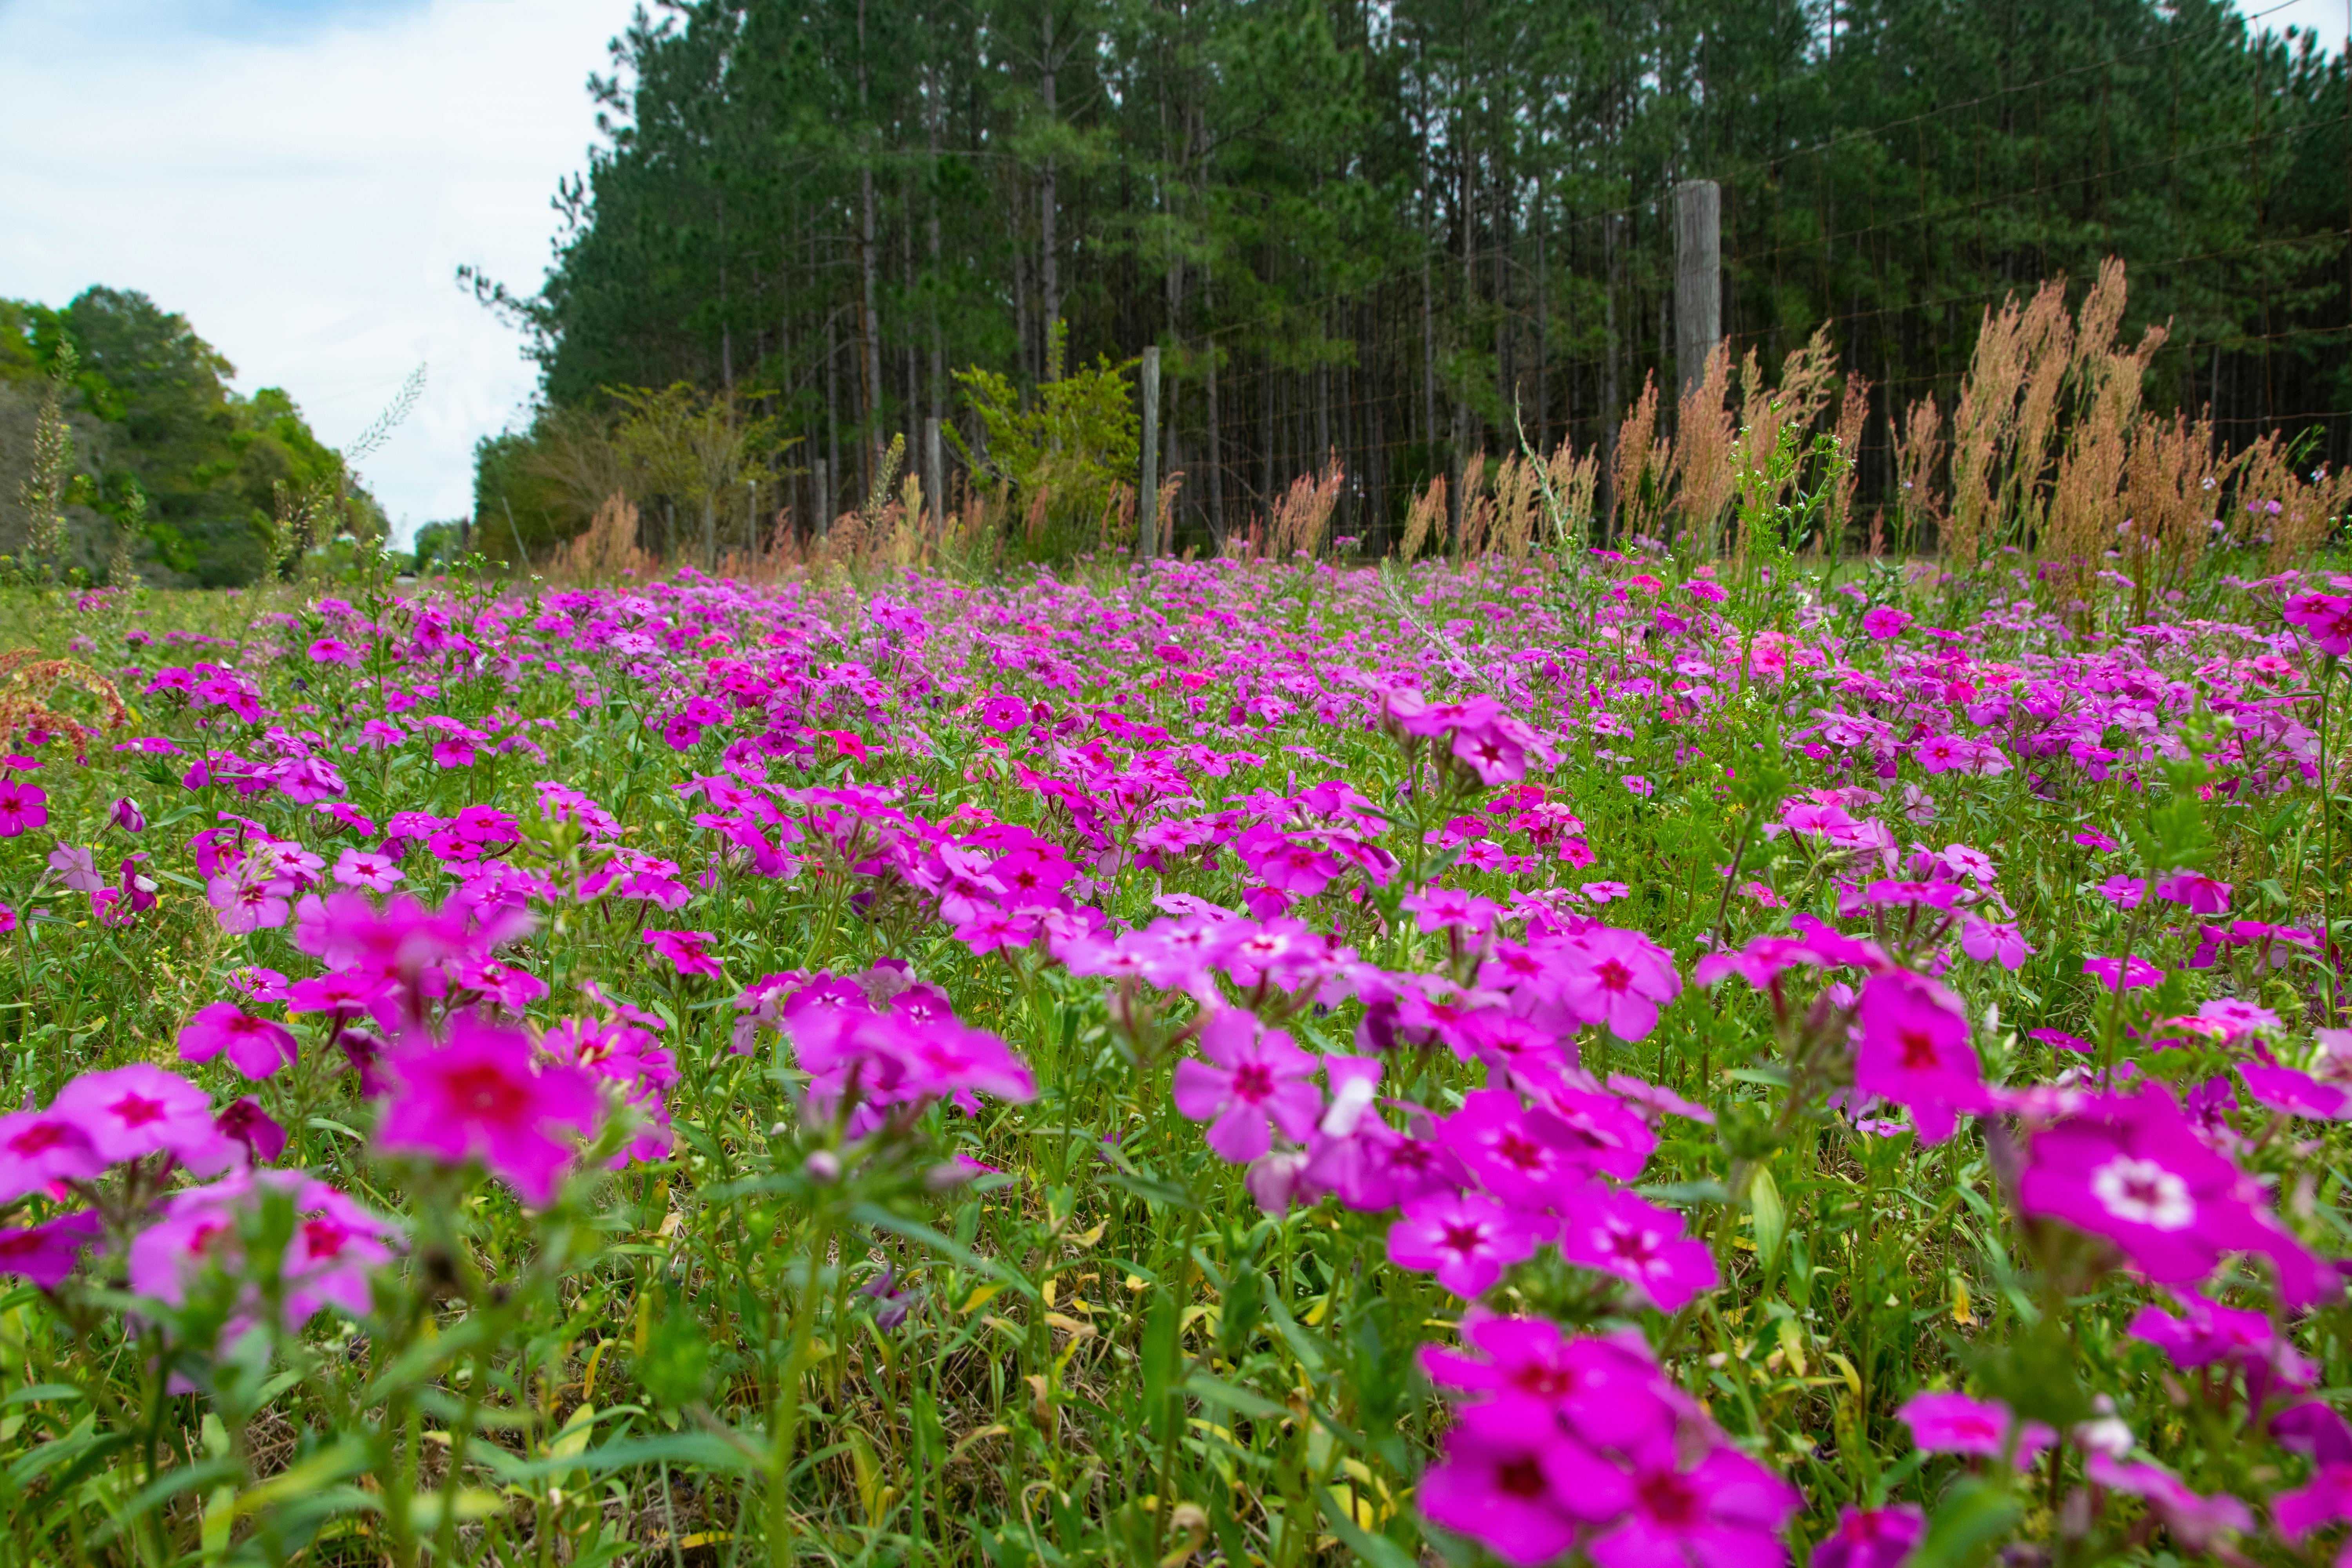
1699 278
935 477
1147 494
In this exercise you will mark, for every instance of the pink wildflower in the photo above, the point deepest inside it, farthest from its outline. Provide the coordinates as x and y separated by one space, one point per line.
256 1046
1252 1081
688 952
1464 1239
479 1097
1984 1428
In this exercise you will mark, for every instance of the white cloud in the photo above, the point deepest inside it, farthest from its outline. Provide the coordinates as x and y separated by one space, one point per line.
303 188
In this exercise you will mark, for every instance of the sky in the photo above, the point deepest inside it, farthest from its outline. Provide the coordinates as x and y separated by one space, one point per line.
302 178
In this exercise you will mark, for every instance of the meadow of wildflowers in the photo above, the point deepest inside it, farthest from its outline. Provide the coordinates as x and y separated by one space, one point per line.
1598 1057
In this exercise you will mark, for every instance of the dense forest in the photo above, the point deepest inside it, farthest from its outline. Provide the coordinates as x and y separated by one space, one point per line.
1390 232
172 472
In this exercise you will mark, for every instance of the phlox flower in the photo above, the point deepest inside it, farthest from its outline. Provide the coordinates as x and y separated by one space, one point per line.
246 1124
2293 1093
1450 909
479 1097
1724 1508
2322 1501
1522 1489
1252 1081
2131 973
1603 1387
23 807
1984 1428
76 868
39 1148
1465 1239
2196 891
2327 617
256 1046
1884 623
336 1243
251 898
2123 892
1522 1156
1991 941
688 952
1618 979
1911 1045
2131 1168
46 1254
2206 1333
371 870
143 1109
2195 1522
1872 1537
1620 1233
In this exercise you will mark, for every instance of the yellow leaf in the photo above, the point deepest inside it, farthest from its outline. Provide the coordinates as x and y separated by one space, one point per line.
1792 1344
981 1296
1051 1290
1960 1310
573 1439
1070 1325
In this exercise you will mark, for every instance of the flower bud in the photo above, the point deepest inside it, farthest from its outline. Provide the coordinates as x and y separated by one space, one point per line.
824 1167
126 815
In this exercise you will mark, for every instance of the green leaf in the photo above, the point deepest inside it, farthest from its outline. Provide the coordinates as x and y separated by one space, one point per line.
1771 1217
1241 1400
1974 1515
1377 1550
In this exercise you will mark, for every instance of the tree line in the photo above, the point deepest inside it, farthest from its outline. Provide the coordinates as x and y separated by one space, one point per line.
125 450
1407 232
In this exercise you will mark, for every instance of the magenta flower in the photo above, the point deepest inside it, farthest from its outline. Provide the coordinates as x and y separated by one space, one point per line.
23 807
256 1046
76 868
366 868
1983 1428
125 813
1912 1047
2199 893
1619 979
1603 1387
2295 1093
1252 1080
1724 1509
142 1109
2131 973
1619 1232
46 1254
244 1122
249 898
1872 1537
2326 616
1466 1240
478 1097
2123 892
1884 623
1990 942
1521 1156
1522 1489
2195 1522
2326 1499
688 952
2132 1168
40 1148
